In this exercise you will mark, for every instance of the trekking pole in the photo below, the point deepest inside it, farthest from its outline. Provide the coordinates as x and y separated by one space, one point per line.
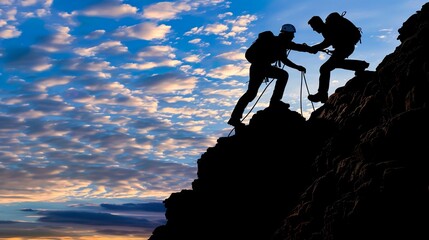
269 82
308 91
300 95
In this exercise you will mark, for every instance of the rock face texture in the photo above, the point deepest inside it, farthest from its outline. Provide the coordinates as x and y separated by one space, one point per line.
358 168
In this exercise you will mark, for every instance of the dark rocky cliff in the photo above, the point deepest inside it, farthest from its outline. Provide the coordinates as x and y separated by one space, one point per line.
358 168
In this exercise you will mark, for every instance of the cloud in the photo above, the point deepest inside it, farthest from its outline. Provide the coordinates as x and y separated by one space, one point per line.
26 3
154 57
216 28
9 32
230 28
6 2
7 222
223 92
195 58
171 10
224 15
95 34
112 9
144 31
28 210
27 59
178 99
165 10
385 33
244 20
44 84
92 218
150 207
241 22
151 65
84 221
109 47
9 14
228 71
156 51
168 83
62 37
195 41
191 113
234 55
44 230
87 65
194 30
20 230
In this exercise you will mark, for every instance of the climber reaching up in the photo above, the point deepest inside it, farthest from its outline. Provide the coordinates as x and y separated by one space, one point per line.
264 51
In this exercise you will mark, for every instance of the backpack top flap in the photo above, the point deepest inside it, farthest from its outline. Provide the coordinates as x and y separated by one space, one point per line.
266 35
346 31
261 49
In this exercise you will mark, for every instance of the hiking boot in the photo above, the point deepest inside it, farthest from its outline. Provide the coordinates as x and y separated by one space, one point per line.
279 104
235 122
318 97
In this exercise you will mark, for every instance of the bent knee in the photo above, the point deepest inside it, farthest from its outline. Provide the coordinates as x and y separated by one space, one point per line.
250 95
284 76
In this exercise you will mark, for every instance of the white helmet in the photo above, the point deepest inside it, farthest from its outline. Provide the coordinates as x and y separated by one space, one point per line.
288 28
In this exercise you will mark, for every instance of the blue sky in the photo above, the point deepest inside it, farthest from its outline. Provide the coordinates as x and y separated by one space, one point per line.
114 101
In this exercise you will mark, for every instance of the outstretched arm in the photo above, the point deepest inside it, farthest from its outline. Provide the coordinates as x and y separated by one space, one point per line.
291 64
320 46
302 47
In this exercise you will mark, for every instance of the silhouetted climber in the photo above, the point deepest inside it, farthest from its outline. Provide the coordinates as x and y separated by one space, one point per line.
265 51
342 35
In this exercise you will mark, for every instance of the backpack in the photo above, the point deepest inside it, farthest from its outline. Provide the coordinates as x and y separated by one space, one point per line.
261 49
346 30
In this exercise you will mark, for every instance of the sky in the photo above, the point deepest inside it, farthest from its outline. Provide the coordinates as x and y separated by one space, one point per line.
107 105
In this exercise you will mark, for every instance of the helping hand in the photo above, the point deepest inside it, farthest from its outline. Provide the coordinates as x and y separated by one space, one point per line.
301 68
312 50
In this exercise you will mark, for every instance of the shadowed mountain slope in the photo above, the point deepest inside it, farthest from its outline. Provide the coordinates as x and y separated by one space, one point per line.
356 169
